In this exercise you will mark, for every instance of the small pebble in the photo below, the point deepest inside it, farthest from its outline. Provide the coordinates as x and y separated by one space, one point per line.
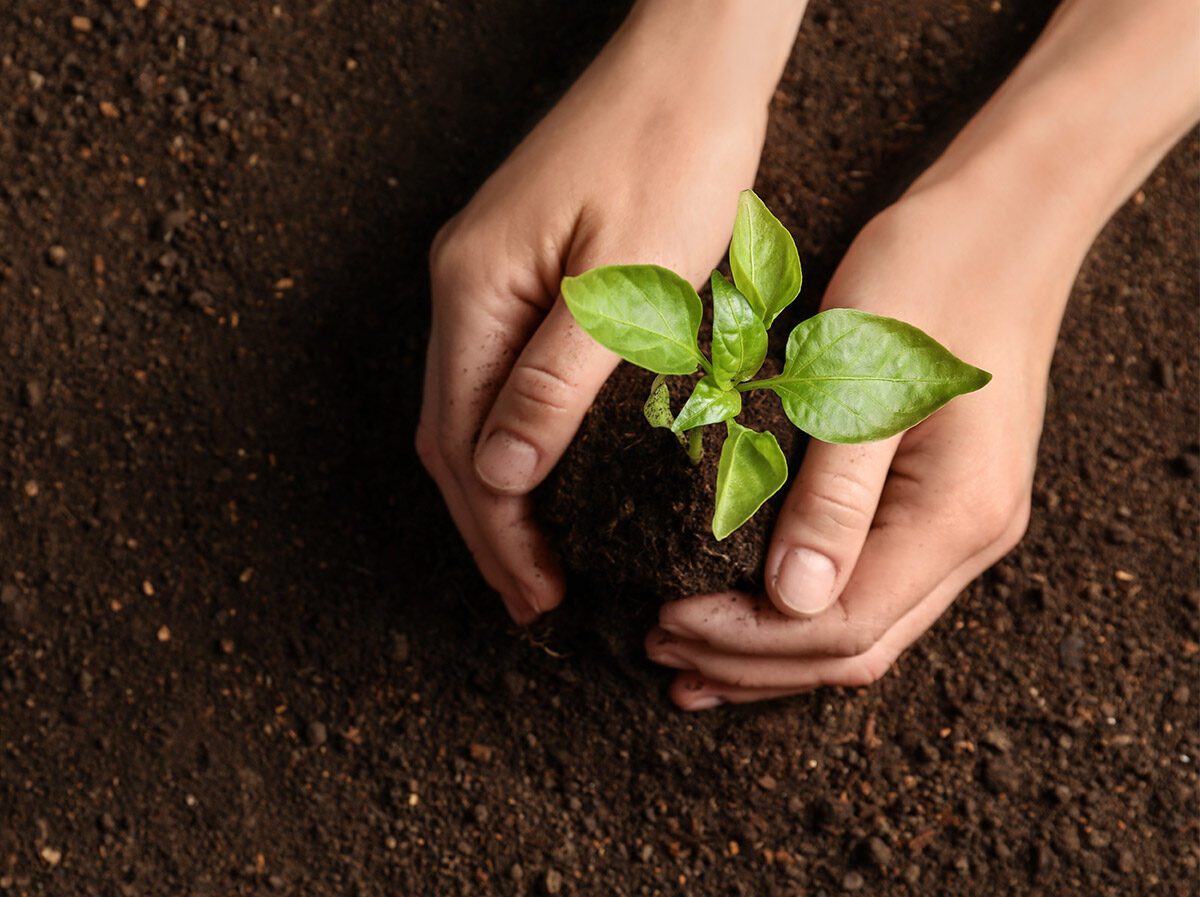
1164 373
316 733
853 882
1070 652
553 882
998 740
879 853
82 24
1120 534
32 394
56 255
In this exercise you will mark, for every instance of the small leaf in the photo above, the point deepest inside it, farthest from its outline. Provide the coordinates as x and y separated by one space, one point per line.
658 410
658 406
709 404
646 314
850 376
739 342
763 256
751 470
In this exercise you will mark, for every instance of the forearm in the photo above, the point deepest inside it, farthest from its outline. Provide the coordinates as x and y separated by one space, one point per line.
741 45
1103 94
1101 97
705 59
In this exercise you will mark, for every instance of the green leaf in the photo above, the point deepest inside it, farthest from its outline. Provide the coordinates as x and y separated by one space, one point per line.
763 256
709 404
751 470
646 314
658 406
658 409
850 376
739 342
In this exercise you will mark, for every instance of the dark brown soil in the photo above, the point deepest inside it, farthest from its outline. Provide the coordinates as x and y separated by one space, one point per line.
628 512
242 650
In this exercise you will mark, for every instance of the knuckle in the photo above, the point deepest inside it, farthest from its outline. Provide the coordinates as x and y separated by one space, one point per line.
538 392
864 670
858 640
835 503
998 520
451 252
427 446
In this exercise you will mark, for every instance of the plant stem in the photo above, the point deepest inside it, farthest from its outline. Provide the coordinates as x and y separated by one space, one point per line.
695 446
756 384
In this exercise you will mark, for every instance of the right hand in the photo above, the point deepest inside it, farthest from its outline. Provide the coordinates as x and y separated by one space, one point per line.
638 163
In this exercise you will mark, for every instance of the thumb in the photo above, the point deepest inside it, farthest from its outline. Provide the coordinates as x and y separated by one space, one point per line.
824 523
539 407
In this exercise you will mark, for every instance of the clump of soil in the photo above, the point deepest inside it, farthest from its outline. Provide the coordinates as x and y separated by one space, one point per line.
626 508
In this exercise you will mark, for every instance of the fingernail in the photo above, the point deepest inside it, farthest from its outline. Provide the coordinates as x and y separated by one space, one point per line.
675 630
707 702
521 612
506 463
805 581
670 659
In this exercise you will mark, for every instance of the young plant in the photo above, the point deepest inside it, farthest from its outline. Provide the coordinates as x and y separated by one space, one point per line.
848 376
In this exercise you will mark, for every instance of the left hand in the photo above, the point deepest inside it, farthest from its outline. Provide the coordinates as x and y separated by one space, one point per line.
875 541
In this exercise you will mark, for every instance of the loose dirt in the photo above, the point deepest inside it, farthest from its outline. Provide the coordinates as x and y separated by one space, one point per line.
242 650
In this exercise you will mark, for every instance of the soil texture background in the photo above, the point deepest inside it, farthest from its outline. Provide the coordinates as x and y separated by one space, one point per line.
242 650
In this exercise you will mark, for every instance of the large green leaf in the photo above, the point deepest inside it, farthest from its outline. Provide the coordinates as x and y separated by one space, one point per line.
739 342
850 376
751 470
646 314
708 404
763 256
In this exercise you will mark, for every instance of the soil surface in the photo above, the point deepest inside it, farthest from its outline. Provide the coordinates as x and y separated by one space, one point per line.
242 650
630 515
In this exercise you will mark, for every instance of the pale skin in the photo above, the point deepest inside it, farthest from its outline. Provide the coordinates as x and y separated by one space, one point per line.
642 162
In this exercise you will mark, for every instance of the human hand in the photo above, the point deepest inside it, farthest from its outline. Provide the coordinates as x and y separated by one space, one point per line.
641 162
875 541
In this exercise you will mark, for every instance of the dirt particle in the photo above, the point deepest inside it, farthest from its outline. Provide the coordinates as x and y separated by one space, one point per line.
399 647
316 733
1120 534
32 394
82 24
853 882
1070 651
56 255
553 882
878 853
998 740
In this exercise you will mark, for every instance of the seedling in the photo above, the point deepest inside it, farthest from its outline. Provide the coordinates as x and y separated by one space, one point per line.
848 376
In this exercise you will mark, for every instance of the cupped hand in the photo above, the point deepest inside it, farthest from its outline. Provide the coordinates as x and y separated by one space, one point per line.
634 165
875 541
